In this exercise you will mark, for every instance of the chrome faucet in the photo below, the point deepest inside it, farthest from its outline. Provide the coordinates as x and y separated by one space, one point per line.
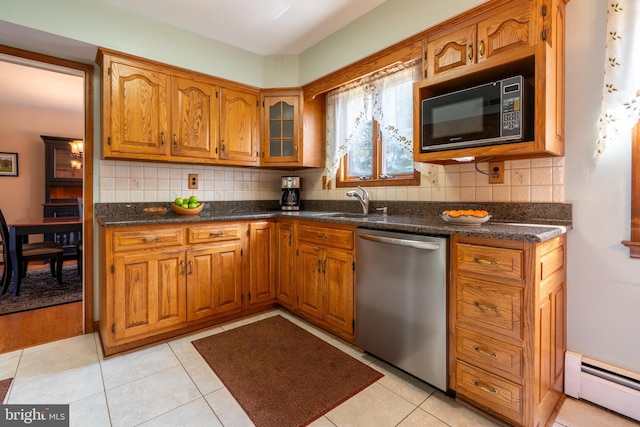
364 199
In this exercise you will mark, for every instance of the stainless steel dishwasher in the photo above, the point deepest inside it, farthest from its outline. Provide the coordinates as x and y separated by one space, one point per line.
401 301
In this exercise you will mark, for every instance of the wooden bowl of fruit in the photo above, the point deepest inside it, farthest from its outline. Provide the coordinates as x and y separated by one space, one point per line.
187 206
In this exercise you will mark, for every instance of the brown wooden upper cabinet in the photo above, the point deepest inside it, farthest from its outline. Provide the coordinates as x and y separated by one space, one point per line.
239 126
496 40
136 110
505 29
281 127
195 119
152 111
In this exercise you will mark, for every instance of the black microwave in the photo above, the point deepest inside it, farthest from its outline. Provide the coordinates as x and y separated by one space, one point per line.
493 113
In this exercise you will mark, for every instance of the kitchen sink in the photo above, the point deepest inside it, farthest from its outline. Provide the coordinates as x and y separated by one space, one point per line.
354 216
344 215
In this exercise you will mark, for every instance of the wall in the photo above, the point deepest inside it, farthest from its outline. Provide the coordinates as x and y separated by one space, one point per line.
123 181
392 21
20 130
604 283
100 24
538 180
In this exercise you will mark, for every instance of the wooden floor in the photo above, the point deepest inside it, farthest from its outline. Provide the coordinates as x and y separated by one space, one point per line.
42 325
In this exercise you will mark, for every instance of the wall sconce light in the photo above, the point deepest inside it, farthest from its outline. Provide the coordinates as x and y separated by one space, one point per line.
77 148
76 164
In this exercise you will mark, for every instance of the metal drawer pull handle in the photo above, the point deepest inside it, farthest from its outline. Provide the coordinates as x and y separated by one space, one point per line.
190 267
322 236
484 387
486 307
182 267
216 234
484 352
485 261
151 239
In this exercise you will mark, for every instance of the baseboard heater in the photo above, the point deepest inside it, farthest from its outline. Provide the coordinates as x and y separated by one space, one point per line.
605 385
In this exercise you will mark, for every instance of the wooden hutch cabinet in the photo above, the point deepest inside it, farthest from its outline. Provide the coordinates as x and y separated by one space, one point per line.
63 186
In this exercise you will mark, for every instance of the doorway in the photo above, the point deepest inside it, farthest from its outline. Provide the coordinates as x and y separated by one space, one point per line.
37 326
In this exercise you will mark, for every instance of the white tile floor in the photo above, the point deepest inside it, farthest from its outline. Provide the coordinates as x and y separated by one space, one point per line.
169 384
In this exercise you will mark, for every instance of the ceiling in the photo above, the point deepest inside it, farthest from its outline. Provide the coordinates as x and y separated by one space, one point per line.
29 87
265 27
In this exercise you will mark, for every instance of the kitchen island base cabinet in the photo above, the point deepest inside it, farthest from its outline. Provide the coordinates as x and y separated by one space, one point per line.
507 328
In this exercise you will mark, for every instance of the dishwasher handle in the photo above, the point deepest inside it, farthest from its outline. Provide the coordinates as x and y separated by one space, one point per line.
417 244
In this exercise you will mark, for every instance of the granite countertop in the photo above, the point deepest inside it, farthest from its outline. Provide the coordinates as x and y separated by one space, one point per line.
533 230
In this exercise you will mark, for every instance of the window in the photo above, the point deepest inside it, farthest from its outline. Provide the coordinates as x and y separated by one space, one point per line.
370 130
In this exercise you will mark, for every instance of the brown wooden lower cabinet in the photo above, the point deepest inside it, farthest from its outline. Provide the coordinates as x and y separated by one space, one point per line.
325 278
507 299
507 327
163 280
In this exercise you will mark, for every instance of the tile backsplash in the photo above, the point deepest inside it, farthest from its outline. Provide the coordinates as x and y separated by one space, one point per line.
530 181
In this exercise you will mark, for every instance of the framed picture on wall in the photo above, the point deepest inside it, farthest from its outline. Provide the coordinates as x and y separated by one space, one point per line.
8 164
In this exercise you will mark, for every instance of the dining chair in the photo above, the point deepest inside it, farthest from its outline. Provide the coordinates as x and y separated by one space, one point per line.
79 241
30 251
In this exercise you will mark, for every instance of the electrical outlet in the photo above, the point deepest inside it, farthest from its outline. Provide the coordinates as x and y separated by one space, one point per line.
496 172
193 181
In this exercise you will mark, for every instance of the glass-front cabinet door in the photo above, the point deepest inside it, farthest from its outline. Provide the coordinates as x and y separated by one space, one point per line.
281 129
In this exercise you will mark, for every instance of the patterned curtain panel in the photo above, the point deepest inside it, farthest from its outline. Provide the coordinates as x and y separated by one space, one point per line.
386 97
620 108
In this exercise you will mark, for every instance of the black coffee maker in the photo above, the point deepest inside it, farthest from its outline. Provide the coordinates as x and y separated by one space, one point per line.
290 198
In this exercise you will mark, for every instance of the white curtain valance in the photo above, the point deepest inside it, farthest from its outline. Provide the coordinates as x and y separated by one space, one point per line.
620 108
386 97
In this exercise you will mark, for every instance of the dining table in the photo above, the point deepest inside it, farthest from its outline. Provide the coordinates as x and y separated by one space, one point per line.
21 229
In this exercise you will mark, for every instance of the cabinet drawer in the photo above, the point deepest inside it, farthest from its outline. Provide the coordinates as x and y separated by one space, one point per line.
489 308
490 263
325 236
214 233
493 355
126 240
491 391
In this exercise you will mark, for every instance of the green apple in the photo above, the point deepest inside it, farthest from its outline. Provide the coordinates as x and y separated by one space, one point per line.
193 199
193 205
178 201
185 205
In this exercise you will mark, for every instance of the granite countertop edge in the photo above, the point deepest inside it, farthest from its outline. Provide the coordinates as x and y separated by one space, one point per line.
534 230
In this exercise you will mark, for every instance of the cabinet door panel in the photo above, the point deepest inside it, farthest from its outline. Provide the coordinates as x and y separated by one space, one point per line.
262 268
339 287
284 266
451 51
281 124
139 111
201 301
309 280
238 126
149 296
228 277
195 119
506 30
213 280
